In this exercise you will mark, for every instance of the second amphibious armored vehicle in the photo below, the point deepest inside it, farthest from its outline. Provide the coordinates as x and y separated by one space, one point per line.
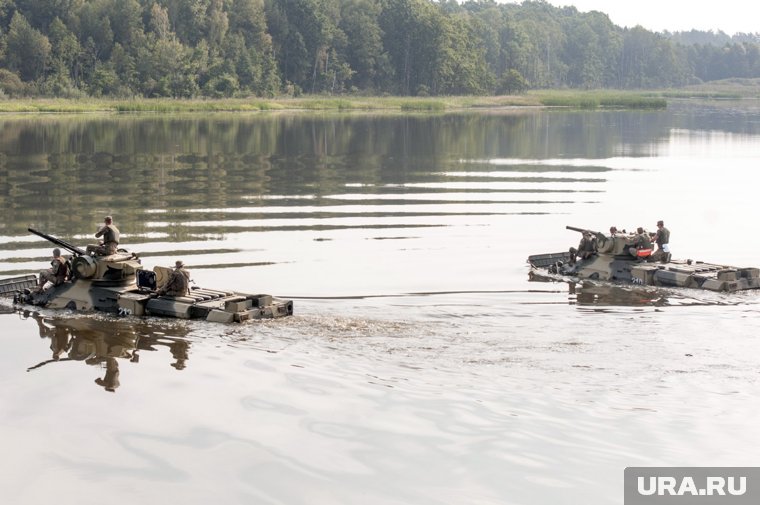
118 283
612 261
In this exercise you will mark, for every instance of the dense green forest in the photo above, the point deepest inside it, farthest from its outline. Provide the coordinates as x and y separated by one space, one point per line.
224 48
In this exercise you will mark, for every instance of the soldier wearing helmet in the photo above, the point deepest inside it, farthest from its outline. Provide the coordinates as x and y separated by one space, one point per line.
178 283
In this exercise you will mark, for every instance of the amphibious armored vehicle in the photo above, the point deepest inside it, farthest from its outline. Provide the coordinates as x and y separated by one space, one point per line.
612 261
118 283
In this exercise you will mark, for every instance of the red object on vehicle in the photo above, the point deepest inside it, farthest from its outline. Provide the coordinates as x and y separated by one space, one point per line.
643 253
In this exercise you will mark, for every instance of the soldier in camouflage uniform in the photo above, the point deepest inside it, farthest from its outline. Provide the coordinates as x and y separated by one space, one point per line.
56 274
586 247
178 283
662 239
110 242
640 242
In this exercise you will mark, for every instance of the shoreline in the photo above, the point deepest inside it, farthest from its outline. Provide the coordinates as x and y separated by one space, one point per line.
579 99
584 99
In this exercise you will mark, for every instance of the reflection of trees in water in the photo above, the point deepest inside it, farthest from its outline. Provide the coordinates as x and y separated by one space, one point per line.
99 343
132 165
51 167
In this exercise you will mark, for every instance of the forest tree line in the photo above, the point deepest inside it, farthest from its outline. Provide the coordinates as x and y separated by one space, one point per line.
226 48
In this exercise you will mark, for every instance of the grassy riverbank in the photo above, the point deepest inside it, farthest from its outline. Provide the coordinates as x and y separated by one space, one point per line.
539 98
601 99
420 104
321 103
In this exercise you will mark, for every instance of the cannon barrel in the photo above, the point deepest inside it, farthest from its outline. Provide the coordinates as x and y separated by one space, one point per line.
603 243
69 247
581 230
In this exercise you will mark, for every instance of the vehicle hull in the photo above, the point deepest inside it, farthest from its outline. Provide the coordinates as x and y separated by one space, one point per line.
209 304
626 269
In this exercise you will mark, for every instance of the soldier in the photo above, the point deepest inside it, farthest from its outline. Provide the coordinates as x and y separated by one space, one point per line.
178 283
56 274
640 245
662 239
586 247
110 242
614 232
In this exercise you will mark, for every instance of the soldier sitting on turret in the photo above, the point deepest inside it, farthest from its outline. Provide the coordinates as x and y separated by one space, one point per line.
110 242
586 247
640 245
178 283
56 274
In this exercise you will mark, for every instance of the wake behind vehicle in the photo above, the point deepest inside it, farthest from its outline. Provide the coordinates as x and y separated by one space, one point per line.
118 283
612 262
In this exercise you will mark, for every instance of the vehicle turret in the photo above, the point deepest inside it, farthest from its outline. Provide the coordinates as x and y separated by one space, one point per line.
115 269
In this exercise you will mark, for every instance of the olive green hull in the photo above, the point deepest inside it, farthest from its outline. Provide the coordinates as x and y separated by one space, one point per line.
127 299
626 269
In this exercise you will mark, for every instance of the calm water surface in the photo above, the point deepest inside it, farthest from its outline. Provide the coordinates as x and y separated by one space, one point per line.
421 367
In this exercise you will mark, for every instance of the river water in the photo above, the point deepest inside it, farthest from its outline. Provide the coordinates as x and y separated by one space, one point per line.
421 365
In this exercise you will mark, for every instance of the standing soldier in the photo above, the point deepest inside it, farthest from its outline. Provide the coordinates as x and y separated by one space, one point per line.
56 274
662 239
110 242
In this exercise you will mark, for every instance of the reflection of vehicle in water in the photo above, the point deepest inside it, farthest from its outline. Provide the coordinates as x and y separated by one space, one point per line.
104 345
589 293
612 262
118 283
596 294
